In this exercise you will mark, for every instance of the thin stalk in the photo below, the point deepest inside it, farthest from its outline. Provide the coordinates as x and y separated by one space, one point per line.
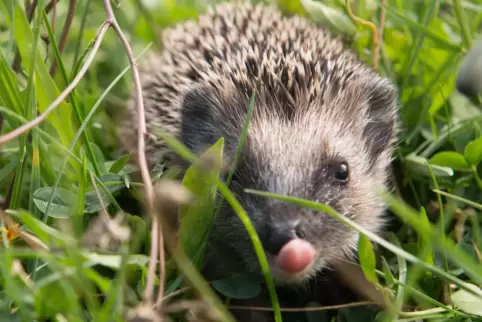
464 25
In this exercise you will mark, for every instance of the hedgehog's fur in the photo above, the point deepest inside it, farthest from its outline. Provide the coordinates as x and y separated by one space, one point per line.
316 105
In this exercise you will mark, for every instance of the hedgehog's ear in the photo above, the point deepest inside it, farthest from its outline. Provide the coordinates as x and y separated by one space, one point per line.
198 130
381 97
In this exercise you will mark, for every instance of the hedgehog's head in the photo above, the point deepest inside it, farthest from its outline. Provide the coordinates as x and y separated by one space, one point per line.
333 148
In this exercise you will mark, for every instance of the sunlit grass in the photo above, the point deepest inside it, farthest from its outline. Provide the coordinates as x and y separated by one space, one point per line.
50 178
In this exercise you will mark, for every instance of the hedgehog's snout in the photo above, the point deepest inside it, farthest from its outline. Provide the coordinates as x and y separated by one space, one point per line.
276 236
285 243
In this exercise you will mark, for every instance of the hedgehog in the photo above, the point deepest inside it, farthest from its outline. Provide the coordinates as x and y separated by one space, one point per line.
323 128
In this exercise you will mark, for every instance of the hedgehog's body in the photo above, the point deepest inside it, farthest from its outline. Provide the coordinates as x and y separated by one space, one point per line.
323 129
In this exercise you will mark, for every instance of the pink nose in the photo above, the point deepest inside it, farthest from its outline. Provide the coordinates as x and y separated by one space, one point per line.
295 256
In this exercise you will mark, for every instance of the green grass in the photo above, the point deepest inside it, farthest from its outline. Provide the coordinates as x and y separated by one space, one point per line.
56 179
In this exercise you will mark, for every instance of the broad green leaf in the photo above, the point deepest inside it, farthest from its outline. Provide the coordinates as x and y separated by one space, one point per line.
473 151
468 302
113 183
62 202
323 14
119 164
453 160
367 258
115 261
197 217
99 157
237 287
419 165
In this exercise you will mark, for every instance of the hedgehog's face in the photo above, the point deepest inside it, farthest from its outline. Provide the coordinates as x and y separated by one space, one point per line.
330 158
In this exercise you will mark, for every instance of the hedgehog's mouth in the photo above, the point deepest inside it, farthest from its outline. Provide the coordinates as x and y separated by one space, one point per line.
294 262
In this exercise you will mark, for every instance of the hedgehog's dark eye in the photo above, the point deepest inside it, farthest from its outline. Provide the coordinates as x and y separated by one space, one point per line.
340 172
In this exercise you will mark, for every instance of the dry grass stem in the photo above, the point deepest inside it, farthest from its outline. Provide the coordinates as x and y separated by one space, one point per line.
33 241
477 252
143 313
149 290
156 241
104 211
371 26
54 18
17 269
162 271
302 309
176 292
169 195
